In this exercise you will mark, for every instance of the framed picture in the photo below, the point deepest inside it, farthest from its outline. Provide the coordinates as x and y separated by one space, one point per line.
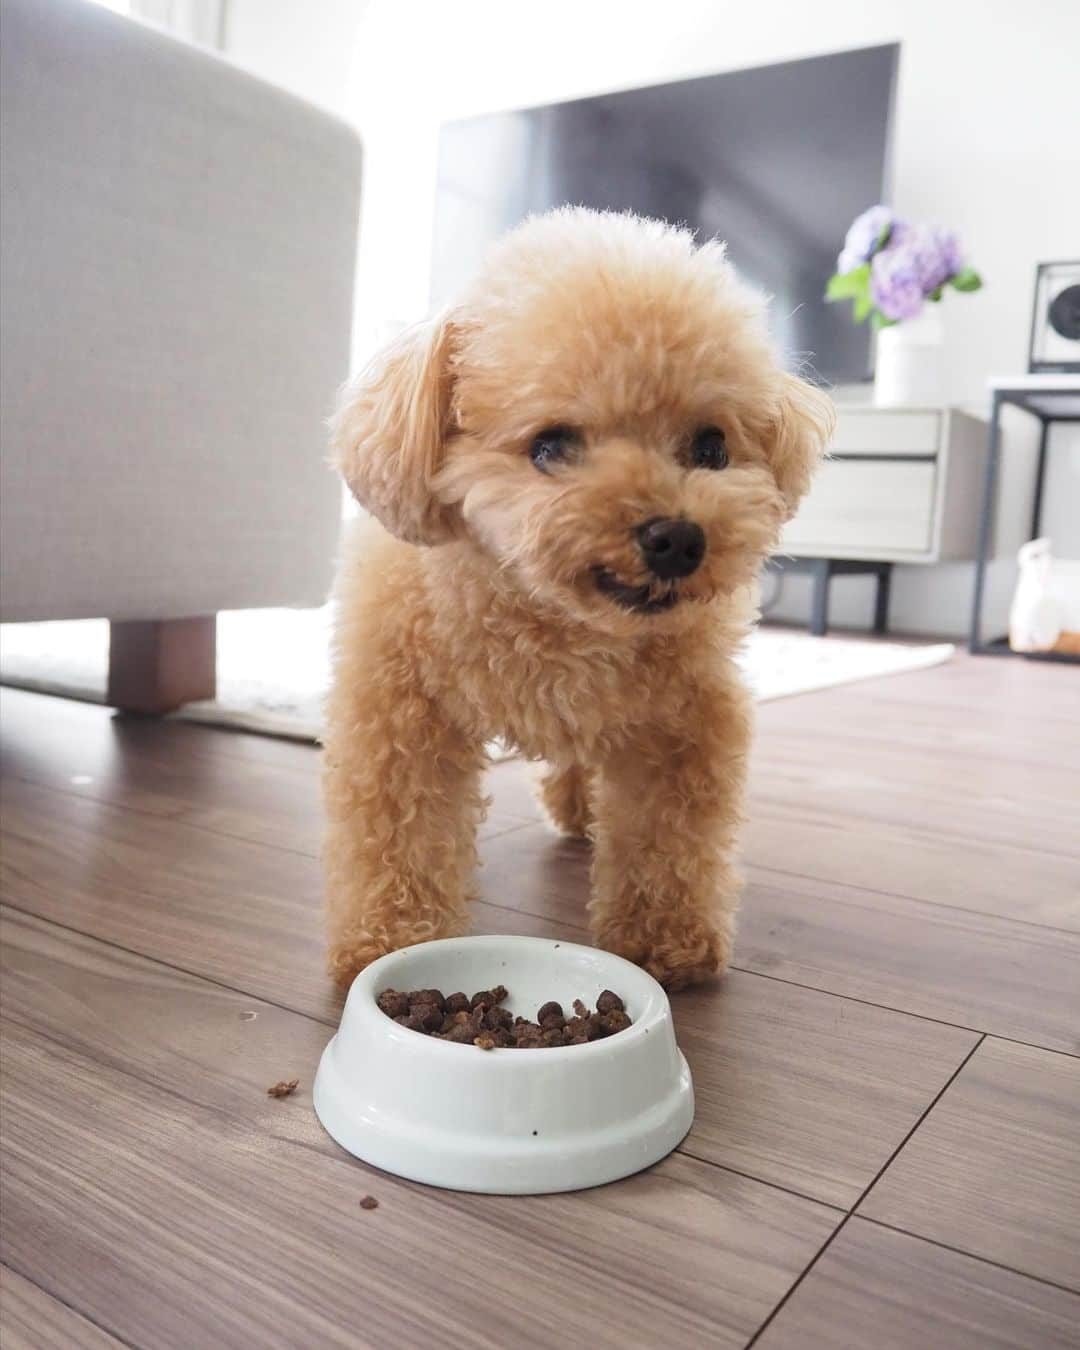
1055 320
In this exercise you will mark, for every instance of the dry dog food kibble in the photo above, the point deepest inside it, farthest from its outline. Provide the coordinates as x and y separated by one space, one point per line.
482 1022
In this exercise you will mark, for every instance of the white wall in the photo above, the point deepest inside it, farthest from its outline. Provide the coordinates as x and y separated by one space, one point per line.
987 114
307 48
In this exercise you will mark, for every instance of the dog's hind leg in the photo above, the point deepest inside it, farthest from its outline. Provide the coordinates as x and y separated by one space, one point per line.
563 792
401 786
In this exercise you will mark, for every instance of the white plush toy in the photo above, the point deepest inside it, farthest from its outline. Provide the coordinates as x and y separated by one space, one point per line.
1045 613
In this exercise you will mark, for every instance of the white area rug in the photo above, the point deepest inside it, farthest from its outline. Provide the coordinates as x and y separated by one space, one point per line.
273 665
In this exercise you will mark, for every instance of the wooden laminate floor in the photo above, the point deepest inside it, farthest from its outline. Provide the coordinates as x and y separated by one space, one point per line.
887 1143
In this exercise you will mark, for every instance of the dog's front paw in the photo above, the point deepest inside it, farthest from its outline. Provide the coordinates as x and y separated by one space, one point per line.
353 948
676 955
347 957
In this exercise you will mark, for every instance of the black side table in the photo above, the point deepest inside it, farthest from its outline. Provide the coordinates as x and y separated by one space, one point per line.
1050 398
823 570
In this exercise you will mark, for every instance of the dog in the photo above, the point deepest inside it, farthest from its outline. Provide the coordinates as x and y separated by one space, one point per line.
579 469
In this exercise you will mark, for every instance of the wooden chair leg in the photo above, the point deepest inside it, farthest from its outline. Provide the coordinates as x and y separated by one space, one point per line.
155 666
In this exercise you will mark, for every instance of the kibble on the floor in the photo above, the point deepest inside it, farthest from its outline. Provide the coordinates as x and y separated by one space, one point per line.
483 1022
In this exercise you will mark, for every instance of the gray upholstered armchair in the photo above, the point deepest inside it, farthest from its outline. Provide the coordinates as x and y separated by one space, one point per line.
177 264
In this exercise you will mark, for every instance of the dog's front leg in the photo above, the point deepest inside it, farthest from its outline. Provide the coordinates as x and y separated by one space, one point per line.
668 808
402 790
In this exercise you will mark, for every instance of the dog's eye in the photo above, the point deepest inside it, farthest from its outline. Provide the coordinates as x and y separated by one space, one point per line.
709 450
551 445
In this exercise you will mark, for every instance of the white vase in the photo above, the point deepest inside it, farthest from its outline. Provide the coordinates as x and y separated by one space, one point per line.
909 369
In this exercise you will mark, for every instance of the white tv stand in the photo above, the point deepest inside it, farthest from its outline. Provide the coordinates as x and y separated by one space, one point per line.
900 485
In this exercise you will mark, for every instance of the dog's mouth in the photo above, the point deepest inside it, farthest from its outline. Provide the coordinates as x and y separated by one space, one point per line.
648 598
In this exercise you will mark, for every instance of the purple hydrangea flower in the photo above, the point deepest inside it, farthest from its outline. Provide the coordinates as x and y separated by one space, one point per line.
933 253
861 240
951 256
896 285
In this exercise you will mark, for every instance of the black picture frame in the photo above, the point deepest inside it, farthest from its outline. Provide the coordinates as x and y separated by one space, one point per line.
1040 321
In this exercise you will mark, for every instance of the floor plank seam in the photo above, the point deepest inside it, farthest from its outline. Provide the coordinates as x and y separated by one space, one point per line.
918 833
157 1085
171 965
178 817
173 813
311 1017
138 1077
50 1038
995 758
906 1012
913 899
973 1256
173 818
761 1181
798 1280
542 918
332 1022
1029 1045
873 1182
866 1002
507 829
65 1303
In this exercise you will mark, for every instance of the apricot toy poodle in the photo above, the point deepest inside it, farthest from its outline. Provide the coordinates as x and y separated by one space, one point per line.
579 469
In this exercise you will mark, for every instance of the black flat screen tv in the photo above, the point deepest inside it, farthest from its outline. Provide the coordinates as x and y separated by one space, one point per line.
777 160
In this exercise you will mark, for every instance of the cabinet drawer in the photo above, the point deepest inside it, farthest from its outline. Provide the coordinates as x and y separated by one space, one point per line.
869 506
886 433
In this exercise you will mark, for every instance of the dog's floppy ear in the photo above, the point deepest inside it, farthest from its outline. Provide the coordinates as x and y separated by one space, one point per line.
801 431
390 429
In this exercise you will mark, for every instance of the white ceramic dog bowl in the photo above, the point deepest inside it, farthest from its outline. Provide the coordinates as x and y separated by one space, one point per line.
508 1122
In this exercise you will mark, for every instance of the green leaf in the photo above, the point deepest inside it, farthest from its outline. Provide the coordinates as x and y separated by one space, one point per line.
967 280
935 294
847 285
878 321
860 310
883 238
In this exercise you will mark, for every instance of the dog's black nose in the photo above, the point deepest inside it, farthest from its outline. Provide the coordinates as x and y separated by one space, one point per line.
671 548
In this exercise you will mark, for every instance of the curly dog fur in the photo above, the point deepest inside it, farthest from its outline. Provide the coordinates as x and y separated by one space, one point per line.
510 594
